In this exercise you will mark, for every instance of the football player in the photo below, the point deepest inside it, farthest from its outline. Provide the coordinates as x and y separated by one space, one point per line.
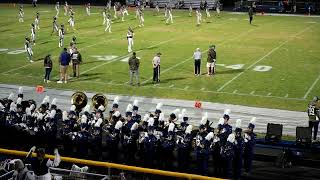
33 34
37 20
21 14
27 47
57 7
61 35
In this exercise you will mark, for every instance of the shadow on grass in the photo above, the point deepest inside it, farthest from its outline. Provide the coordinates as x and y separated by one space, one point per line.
165 80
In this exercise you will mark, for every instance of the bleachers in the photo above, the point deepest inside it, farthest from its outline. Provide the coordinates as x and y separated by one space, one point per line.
185 4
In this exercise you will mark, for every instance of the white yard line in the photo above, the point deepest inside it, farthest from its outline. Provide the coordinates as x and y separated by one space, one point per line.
311 87
263 57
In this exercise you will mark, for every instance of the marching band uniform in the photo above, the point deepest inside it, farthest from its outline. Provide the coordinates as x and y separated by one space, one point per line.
33 34
190 10
150 145
184 148
135 116
88 8
226 128
201 151
249 143
168 145
61 36
104 15
141 19
238 151
169 16
199 17
227 153
71 21
66 8
54 25
108 23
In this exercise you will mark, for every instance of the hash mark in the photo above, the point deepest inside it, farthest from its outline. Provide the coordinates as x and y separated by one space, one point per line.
252 92
269 94
202 89
187 87
235 91
286 95
171 86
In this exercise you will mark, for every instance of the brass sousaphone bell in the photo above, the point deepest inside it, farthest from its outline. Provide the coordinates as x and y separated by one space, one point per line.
98 100
79 99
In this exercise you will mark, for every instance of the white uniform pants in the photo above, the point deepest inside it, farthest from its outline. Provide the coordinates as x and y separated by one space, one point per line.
130 44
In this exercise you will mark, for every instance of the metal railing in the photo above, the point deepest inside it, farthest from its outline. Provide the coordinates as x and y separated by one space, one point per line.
115 166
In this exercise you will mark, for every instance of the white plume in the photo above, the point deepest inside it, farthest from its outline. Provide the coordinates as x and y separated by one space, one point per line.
20 91
180 118
28 111
52 113
227 111
159 106
116 100
171 127
134 126
54 101
116 114
209 136
13 107
150 121
45 100
129 108
189 129
176 112
136 102
204 119
11 95
146 117
32 107
101 108
221 121
87 108
231 138
238 123
1 106
253 120
161 117
184 113
118 125
19 100
72 108
64 115
84 119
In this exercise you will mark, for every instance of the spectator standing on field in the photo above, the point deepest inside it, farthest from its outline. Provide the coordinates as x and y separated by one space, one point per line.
76 60
64 61
250 13
134 64
48 68
156 68
211 60
197 61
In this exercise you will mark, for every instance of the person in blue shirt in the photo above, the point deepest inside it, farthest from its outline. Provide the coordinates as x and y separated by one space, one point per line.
64 61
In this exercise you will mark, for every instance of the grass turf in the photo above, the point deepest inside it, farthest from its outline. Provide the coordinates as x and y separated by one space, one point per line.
290 45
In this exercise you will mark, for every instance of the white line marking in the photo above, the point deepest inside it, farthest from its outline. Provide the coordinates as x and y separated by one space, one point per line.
263 57
110 82
185 88
252 92
269 94
235 91
286 95
171 86
202 89
312 86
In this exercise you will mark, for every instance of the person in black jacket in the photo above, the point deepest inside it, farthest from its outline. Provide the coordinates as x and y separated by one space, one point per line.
48 68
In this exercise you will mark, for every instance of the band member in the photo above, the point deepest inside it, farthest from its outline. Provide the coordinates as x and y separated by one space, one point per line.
190 10
34 3
141 19
314 116
36 21
66 8
104 15
218 8
88 8
211 60
137 11
169 16
227 153
156 68
250 13
123 12
76 60
27 47
71 21
249 143
57 7
61 35
33 34
238 154
130 39
199 17
201 151
115 10
166 10
108 23
54 25
21 14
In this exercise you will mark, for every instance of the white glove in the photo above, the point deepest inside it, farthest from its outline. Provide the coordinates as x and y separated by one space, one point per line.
33 149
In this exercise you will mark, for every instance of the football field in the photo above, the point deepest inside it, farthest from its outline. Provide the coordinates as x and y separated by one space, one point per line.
273 63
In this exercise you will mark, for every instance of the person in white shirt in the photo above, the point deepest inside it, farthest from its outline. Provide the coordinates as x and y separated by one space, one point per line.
71 21
57 7
37 21
130 39
190 10
61 36
197 61
66 8
199 17
156 68
169 16
141 19
33 34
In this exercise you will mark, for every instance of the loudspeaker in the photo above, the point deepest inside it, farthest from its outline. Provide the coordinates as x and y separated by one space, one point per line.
274 133
303 135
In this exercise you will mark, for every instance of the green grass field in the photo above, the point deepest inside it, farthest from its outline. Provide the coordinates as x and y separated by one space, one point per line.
273 63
